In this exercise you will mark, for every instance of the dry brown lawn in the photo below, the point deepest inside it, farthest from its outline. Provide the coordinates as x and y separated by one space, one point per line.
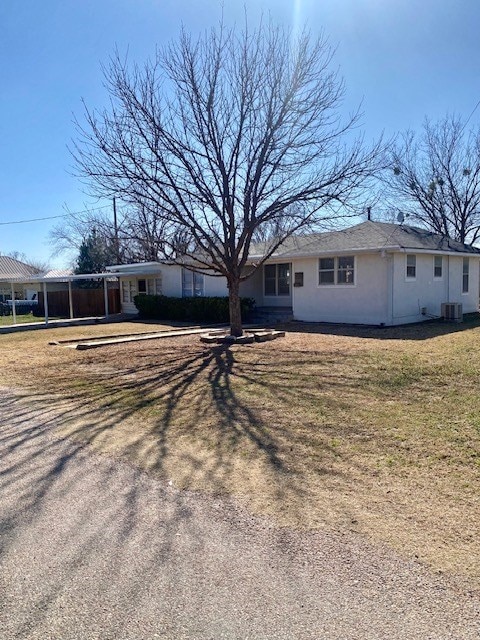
376 431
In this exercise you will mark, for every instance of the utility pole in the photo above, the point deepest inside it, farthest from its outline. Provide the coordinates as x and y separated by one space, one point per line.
115 226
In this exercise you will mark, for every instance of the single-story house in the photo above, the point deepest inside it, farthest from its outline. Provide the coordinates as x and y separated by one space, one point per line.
371 273
10 269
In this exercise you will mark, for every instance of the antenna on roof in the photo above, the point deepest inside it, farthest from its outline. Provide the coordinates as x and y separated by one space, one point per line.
400 217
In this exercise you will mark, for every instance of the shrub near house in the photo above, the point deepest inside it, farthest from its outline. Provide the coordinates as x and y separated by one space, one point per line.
201 309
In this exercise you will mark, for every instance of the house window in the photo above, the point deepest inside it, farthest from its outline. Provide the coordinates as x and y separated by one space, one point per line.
129 291
154 286
192 284
465 274
283 279
150 286
333 271
437 267
411 272
270 276
327 271
345 270
277 279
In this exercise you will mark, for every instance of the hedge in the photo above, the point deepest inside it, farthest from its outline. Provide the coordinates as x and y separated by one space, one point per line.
201 309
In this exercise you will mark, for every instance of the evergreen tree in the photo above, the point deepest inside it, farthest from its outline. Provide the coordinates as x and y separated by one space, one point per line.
94 256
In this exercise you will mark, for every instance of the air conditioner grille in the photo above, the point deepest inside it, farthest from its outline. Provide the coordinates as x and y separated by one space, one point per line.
452 311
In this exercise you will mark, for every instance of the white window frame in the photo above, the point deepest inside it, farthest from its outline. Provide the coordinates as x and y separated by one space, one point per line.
289 280
336 270
407 266
129 291
153 286
465 274
138 285
194 282
435 258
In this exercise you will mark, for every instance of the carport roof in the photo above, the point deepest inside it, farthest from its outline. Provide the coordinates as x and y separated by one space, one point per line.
68 278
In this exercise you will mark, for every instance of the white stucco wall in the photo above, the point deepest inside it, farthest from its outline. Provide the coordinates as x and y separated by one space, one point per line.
215 286
410 296
171 280
365 302
381 294
253 287
171 277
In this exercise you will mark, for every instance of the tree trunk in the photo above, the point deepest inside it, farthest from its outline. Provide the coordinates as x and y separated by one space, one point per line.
234 308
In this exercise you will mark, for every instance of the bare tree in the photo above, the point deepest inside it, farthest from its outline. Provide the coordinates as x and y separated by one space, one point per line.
222 137
139 234
68 236
435 178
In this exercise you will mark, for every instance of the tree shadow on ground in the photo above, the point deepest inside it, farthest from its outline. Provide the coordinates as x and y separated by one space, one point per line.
242 420
151 405
67 517
417 331
93 548
206 417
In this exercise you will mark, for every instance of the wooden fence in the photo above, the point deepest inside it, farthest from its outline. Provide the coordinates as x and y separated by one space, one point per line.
86 303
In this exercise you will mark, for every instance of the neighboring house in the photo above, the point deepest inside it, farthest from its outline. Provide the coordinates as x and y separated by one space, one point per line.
11 268
371 273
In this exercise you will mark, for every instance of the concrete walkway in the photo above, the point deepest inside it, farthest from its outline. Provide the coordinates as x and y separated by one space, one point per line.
94 549
64 322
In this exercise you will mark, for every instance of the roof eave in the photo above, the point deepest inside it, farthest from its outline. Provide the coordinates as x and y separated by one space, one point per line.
357 250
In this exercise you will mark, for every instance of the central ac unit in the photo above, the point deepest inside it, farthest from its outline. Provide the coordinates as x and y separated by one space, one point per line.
452 311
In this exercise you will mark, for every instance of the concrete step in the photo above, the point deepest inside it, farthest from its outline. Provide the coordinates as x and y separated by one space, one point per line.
272 315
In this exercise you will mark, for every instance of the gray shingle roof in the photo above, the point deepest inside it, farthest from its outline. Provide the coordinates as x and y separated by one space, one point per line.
11 268
364 236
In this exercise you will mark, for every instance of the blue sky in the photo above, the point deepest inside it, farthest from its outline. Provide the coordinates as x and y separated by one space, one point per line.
403 59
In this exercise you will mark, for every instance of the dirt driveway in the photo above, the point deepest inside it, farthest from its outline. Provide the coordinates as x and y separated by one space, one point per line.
94 548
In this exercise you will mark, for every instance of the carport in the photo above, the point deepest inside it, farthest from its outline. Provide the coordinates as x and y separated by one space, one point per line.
42 284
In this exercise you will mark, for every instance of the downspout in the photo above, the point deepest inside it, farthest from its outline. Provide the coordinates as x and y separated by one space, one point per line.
448 278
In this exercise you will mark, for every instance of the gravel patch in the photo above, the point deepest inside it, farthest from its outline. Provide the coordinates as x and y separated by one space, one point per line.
92 548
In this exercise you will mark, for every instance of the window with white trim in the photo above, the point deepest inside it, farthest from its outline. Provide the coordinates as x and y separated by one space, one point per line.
129 291
465 275
193 284
411 266
339 270
150 286
438 267
276 279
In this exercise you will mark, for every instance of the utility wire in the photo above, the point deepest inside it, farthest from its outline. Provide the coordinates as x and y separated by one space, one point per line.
470 116
64 215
